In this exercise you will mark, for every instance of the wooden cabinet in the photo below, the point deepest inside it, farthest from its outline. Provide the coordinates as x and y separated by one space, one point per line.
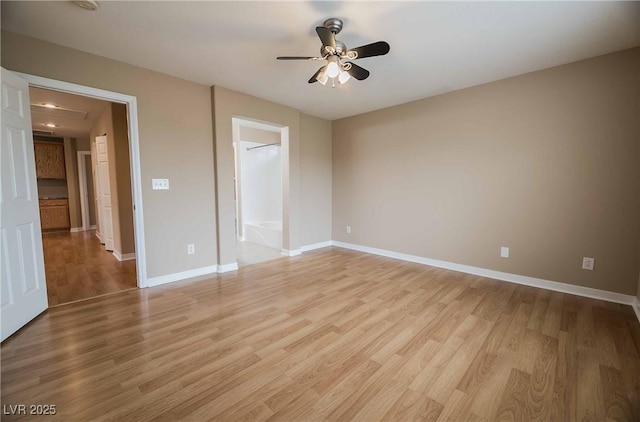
50 160
54 214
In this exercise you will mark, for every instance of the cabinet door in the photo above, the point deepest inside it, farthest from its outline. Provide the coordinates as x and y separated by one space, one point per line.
54 217
50 160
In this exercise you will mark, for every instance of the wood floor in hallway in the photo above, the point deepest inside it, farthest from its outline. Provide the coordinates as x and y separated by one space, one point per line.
330 335
78 267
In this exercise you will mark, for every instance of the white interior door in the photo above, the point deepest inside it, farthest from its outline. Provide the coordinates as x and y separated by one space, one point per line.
23 294
104 195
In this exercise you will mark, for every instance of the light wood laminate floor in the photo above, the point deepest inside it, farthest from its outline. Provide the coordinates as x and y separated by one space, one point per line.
330 335
78 267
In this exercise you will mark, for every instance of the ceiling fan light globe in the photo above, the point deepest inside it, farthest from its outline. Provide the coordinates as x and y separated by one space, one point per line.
344 77
333 69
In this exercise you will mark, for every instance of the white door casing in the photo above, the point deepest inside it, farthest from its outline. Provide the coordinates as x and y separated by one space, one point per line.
84 195
134 152
96 190
23 294
104 194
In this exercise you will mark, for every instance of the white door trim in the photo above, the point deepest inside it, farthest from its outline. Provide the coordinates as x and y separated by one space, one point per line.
134 153
82 181
236 123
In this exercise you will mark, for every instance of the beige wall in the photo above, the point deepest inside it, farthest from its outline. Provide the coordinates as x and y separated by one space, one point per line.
545 163
251 134
175 131
120 173
113 122
91 199
83 144
315 180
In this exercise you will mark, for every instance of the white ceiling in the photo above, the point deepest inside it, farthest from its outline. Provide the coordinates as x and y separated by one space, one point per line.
436 47
66 126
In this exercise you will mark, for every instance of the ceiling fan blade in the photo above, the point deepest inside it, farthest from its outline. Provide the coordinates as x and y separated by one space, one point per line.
358 72
297 58
327 37
314 78
379 48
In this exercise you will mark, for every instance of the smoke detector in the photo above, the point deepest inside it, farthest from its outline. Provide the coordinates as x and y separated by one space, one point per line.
90 5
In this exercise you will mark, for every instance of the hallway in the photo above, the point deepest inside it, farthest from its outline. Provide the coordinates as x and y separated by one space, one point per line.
78 267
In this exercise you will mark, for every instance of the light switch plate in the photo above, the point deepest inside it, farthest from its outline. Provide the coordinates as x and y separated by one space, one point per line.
588 263
504 252
160 184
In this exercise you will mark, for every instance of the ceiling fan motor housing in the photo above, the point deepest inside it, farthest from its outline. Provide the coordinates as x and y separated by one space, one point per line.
341 49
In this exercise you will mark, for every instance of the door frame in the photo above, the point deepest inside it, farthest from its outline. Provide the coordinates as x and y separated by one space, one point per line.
96 181
236 123
134 153
82 182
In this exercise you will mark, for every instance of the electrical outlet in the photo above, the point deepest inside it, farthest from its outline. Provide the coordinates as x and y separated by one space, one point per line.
160 184
348 229
588 263
504 252
191 248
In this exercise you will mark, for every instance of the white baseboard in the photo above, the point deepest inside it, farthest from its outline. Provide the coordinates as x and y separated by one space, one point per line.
76 229
292 252
99 236
512 278
92 227
227 267
314 246
123 257
184 275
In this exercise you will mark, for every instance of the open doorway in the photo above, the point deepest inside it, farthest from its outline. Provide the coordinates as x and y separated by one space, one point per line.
84 189
258 191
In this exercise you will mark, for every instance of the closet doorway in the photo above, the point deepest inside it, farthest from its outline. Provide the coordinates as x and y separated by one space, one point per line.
258 191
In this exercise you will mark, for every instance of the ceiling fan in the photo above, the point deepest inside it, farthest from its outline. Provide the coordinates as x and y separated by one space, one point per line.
338 56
